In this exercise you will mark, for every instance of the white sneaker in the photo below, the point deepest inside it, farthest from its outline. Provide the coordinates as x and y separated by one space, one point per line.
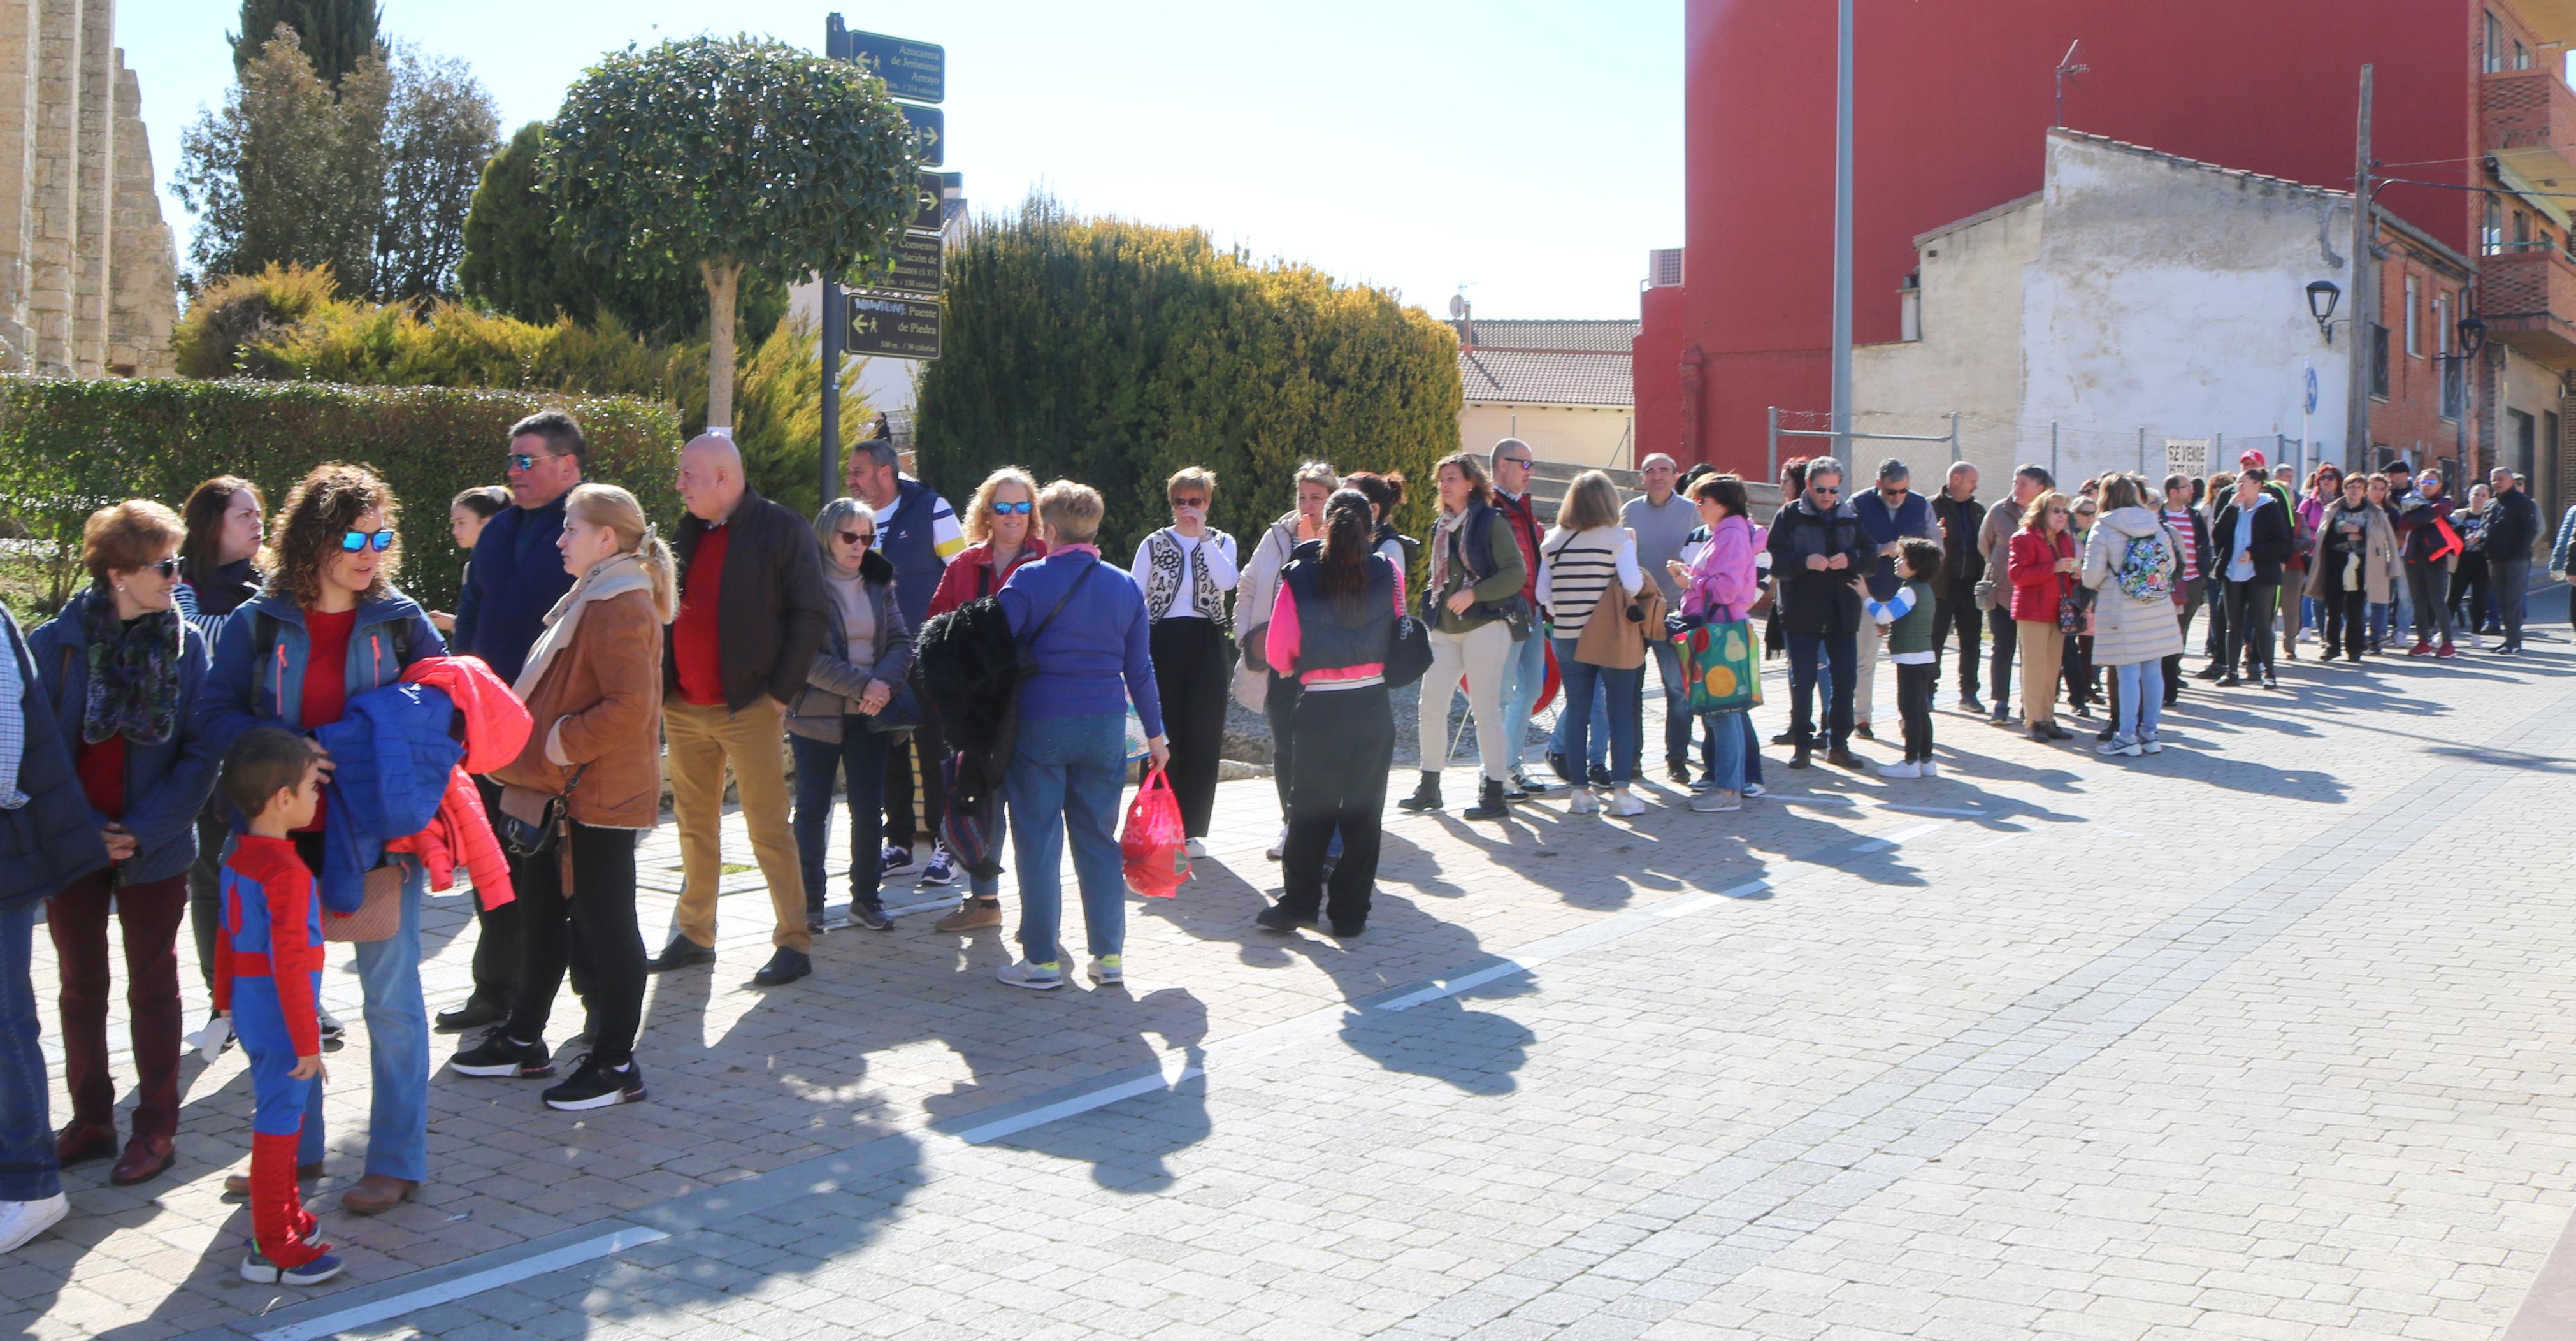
1753 789
2118 745
24 1220
1196 848
1715 802
2152 745
1278 845
1035 977
1109 970
1905 768
209 1041
1624 803
1583 802
1930 769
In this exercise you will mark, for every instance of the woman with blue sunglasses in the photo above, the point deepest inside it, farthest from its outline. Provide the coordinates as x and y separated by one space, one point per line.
328 625
999 526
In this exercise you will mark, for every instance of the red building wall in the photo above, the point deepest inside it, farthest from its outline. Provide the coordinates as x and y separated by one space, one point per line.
1952 103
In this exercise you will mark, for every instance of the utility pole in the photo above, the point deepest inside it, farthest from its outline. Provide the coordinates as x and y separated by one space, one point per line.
1843 230
833 318
2365 293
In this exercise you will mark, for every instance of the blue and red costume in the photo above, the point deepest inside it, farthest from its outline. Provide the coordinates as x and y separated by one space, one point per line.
268 974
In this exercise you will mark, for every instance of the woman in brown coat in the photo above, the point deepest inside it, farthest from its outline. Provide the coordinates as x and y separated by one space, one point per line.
593 686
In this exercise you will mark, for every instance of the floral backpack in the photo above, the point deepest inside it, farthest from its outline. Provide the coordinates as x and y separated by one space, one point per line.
2145 567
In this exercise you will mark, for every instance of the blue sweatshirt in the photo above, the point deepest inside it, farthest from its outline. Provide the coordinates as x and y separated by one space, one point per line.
1094 657
516 577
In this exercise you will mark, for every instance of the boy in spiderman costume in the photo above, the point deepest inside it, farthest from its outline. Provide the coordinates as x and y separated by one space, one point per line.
268 974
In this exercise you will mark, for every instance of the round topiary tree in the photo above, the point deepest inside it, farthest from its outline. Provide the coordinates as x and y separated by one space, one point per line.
724 156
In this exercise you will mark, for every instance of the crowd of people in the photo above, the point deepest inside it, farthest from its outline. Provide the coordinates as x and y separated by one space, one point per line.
245 722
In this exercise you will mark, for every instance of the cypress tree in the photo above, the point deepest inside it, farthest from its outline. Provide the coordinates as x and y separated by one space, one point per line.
336 34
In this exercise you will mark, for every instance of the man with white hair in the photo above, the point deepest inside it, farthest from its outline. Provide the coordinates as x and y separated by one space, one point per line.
753 611
1662 521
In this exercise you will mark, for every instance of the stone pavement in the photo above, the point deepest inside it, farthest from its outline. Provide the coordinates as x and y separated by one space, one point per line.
2263 1037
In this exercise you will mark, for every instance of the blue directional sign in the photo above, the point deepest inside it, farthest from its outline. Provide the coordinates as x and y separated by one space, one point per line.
914 70
929 130
2312 391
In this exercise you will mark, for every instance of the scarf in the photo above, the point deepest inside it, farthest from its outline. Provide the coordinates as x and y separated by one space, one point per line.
133 674
613 576
1444 534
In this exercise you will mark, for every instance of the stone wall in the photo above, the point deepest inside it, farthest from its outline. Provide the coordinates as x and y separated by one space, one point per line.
88 274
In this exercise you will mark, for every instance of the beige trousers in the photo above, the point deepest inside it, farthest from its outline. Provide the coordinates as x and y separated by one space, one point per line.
1476 656
2043 655
704 742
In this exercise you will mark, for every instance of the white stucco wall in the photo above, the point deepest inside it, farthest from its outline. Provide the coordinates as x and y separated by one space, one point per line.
1581 434
2138 291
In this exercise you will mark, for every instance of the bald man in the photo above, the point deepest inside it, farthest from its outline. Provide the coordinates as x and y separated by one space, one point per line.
752 614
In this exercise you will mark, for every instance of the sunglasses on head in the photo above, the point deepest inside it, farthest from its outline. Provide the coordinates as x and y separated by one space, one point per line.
1003 509
867 539
354 541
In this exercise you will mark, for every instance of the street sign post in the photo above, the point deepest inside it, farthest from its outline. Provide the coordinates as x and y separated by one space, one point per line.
915 266
894 325
914 70
929 130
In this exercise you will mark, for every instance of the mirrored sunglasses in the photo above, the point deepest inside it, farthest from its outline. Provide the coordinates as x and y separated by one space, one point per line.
353 541
1013 509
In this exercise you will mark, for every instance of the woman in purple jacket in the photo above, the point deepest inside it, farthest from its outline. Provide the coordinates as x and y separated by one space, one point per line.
1720 583
1089 635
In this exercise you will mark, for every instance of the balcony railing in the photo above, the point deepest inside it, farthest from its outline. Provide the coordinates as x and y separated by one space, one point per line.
2529 302
2527 119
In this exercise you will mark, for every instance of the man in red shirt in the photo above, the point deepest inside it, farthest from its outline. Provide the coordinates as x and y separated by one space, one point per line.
752 614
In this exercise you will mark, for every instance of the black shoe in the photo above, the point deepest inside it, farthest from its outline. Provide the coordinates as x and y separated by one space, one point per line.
2270 683
2107 732
1680 774
871 913
1346 930
1426 794
2084 710
476 1013
1277 917
1799 760
2040 733
1864 732
679 954
1532 786
501 1055
2002 712
1601 777
784 967
2209 672
1842 757
1514 791
2056 732
1785 738
592 1085
1489 803
1971 703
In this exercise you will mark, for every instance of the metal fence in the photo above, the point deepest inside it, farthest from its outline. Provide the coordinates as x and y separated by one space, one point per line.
1929 444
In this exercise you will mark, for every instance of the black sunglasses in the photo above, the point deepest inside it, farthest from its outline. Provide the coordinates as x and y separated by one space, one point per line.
165 567
868 540
1824 489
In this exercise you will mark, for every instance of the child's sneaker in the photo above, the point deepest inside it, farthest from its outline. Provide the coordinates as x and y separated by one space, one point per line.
259 1270
211 1041
938 872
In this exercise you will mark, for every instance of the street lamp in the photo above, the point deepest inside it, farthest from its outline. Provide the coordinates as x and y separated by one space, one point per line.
2323 294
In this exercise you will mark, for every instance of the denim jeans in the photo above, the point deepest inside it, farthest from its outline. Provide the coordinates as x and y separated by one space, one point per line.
1527 667
2141 708
1831 657
1064 782
397 1045
1625 727
861 756
1729 742
1677 719
1597 750
27 1168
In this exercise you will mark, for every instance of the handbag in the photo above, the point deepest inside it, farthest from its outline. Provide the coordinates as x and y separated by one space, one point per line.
528 821
1408 653
1723 668
1251 685
379 913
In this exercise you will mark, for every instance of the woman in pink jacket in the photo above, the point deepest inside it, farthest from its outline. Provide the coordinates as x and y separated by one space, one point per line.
1720 584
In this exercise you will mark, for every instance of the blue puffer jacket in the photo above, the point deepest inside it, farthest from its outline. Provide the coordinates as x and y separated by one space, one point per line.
166 785
53 839
391 753
240 695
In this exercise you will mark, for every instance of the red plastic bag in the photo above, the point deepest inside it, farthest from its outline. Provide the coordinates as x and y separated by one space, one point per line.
1156 846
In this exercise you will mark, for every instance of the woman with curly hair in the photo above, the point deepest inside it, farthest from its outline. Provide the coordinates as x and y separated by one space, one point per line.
328 625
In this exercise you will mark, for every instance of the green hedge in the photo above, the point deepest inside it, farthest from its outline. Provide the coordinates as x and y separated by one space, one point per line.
1115 353
69 447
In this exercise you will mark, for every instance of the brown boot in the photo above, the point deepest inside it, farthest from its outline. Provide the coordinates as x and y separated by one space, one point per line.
971 915
376 1194
238 1184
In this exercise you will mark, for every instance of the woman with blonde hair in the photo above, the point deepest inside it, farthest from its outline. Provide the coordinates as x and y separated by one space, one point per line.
122 673
593 686
1580 558
1001 535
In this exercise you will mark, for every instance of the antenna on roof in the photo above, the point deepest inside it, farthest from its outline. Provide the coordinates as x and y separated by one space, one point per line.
2065 67
1459 310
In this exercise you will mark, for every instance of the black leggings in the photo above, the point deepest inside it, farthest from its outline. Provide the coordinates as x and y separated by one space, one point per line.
928 742
1345 744
1194 682
1914 686
2345 624
601 915
2250 607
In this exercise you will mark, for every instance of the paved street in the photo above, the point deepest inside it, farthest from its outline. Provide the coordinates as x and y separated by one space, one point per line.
2262 1037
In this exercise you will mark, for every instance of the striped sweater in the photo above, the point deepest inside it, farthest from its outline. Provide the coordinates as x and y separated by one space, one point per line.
1576 568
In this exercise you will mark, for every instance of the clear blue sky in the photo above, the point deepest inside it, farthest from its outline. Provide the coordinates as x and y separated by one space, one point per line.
1531 150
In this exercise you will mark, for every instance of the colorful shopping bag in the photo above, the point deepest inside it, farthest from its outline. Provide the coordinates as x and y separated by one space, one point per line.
1155 848
1725 666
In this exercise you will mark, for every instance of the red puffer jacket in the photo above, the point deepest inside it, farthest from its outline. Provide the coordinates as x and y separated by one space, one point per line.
496 729
2036 583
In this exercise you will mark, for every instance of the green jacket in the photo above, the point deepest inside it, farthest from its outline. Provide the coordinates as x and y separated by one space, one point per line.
1912 631
1505 575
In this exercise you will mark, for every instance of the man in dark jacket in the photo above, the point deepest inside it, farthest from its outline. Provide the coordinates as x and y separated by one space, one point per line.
48 838
2513 527
1817 544
516 577
1954 602
752 614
